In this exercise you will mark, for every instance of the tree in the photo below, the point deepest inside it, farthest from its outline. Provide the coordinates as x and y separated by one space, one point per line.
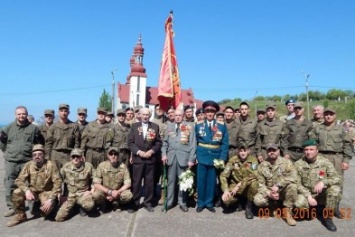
105 101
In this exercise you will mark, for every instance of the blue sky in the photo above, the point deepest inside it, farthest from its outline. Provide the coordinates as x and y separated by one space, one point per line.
64 51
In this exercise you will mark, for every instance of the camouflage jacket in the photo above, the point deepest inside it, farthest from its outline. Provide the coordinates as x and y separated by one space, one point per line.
268 132
248 131
281 174
311 173
62 136
234 133
120 134
95 136
112 177
334 138
39 180
78 180
295 134
236 172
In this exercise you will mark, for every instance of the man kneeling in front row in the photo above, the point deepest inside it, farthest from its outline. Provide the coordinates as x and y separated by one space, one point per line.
39 181
112 182
319 183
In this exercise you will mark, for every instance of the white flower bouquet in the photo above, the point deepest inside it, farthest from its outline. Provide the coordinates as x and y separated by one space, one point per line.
186 181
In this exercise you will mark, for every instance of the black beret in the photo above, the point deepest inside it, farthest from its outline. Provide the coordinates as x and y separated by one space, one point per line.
291 100
187 107
199 111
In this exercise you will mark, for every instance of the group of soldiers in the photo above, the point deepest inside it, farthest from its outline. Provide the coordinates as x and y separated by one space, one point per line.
281 165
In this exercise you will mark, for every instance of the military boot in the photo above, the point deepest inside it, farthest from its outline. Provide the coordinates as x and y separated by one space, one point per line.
9 213
337 213
249 210
35 209
162 197
18 218
330 225
116 206
289 218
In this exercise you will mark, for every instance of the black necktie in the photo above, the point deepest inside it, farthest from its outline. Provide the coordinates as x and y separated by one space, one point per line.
209 126
177 128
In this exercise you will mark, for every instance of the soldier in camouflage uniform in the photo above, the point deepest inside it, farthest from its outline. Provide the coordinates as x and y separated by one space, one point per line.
129 116
112 182
239 179
290 110
234 131
77 176
334 144
121 137
48 118
294 132
39 181
319 183
260 115
249 125
277 178
269 132
62 137
96 139
82 115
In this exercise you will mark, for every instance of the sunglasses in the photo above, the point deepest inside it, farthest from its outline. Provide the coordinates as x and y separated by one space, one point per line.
113 154
75 157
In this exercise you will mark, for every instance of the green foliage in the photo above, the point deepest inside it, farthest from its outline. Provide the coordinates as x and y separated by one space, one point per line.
351 109
105 101
325 104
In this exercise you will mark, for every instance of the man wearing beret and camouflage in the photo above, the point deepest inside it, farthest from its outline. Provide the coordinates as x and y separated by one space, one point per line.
82 115
278 179
40 182
48 121
290 103
96 138
212 143
335 145
269 132
319 183
77 177
112 182
294 132
239 180
62 137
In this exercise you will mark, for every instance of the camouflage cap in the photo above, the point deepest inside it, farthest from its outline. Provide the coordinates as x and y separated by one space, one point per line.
112 149
272 146
310 142
260 111
331 110
243 145
110 113
298 105
220 113
76 152
38 147
49 111
64 106
137 108
82 110
270 106
100 109
120 111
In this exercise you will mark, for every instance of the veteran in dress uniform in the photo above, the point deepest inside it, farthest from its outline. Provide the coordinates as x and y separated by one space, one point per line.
112 182
62 137
239 179
212 143
319 183
40 182
77 176
178 152
277 178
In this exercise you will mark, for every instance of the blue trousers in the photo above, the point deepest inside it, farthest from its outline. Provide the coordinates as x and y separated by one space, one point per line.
206 185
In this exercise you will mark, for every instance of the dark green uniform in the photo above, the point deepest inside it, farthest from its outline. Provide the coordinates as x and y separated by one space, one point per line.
268 132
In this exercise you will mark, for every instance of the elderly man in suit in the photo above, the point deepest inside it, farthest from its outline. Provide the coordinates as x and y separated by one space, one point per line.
145 144
178 152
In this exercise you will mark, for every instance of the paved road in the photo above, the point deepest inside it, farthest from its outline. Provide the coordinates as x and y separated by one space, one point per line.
177 223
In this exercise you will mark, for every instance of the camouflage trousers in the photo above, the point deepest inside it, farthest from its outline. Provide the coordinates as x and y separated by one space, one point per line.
329 198
84 201
19 198
100 197
95 157
247 191
287 195
60 158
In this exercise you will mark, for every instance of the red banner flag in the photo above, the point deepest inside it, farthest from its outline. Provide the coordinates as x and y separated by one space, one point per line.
169 90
